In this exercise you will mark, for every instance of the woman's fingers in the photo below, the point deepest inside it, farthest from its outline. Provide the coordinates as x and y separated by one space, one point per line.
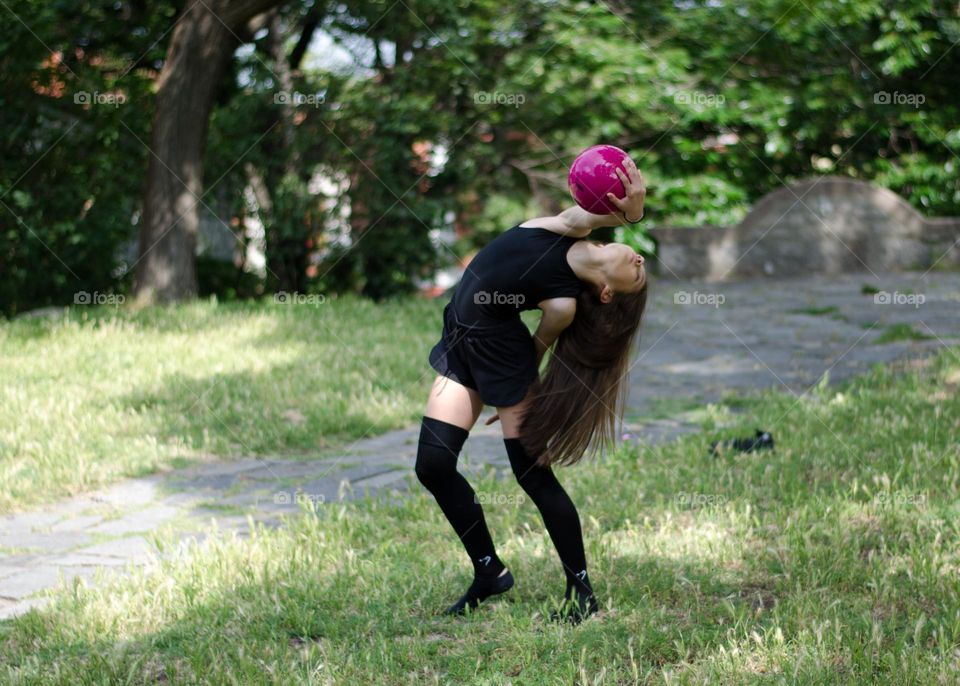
492 419
633 173
640 181
616 201
632 180
631 185
624 179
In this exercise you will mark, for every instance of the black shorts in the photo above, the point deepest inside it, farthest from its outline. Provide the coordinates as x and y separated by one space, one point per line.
497 360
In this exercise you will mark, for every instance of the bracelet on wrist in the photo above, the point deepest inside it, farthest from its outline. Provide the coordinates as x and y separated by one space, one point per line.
627 219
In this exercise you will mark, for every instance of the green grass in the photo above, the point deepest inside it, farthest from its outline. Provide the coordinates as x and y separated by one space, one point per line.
107 393
815 311
900 332
666 408
831 311
833 560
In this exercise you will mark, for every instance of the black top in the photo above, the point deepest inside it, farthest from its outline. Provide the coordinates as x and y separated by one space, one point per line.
517 270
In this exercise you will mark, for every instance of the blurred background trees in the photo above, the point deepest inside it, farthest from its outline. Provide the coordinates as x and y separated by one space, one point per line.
357 146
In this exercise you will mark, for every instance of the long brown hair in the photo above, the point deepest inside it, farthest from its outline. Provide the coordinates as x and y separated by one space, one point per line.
574 407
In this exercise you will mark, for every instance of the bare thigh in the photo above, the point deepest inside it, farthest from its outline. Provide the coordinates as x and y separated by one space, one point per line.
453 403
510 418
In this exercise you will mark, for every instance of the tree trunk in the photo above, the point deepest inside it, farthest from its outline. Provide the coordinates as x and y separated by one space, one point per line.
200 49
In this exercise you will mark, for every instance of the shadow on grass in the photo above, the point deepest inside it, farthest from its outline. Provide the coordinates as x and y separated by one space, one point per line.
291 623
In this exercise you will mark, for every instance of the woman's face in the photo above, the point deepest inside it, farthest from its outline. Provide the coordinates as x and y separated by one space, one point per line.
623 268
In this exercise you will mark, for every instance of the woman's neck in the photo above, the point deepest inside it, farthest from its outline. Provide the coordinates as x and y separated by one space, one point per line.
584 259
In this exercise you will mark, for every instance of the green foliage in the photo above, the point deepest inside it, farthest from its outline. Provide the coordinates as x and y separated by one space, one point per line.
75 106
499 212
466 114
697 200
225 280
636 237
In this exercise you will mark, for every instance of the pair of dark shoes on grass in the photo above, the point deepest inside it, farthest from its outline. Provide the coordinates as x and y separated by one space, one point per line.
577 604
761 440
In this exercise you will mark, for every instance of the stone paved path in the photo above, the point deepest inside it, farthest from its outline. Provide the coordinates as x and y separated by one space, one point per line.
699 341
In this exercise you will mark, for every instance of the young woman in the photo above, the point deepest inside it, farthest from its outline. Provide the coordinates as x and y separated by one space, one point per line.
592 297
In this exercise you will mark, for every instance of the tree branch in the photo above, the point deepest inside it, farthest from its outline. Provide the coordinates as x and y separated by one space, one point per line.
310 24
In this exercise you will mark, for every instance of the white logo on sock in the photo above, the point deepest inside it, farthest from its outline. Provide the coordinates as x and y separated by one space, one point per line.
581 575
487 558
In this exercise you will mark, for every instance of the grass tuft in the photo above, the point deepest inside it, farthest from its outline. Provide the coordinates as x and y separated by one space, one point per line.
834 559
106 393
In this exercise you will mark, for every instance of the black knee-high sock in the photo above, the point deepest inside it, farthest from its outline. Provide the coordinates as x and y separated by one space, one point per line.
436 467
560 518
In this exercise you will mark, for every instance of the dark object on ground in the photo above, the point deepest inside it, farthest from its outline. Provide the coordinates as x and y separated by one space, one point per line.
481 589
762 440
575 608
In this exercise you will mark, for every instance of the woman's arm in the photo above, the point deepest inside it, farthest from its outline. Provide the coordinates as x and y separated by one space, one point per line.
575 222
558 314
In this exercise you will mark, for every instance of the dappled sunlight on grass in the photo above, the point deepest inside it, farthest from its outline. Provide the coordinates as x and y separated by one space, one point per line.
103 393
830 560
681 538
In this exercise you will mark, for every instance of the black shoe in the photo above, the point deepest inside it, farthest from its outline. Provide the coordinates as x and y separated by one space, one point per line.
480 590
574 610
763 440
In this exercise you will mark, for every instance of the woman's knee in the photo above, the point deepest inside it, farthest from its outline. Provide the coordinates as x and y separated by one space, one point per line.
437 450
535 480
531 477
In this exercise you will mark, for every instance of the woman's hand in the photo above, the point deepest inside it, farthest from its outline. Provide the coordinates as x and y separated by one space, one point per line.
632 204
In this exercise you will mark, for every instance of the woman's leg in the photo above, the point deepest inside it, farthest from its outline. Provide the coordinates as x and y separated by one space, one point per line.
559 514
451 412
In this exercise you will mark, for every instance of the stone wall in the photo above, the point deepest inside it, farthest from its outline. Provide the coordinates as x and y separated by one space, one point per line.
827 225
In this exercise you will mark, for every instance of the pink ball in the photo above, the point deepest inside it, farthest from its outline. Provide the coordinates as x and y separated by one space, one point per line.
592 175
